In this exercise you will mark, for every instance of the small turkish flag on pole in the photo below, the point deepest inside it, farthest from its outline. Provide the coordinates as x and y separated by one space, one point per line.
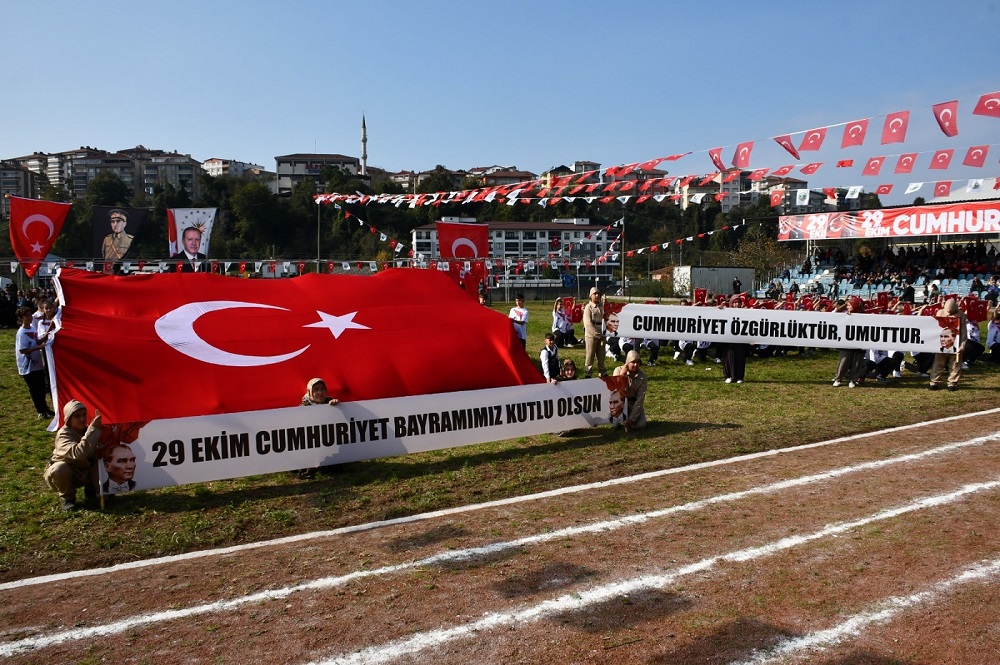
741 158
905 162
873 166
813 139
946 114
854 133
941 159
894 129
883 189
976 156
988 104
34 227
716 155
786 143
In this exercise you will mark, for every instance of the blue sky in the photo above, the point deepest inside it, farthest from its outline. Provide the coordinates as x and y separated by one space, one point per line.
525 83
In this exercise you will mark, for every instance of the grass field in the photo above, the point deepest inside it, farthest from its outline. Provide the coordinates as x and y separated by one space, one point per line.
694 417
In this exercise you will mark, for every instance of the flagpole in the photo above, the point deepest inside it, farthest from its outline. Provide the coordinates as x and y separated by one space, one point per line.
622 254
318 255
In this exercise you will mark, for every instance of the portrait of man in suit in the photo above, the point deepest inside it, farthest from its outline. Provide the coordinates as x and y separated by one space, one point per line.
119 463
190 255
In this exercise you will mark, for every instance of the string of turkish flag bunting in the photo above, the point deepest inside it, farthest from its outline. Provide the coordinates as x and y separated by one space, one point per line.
570 187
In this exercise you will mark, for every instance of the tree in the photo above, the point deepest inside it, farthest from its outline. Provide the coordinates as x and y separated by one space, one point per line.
439 180
760 251
107 189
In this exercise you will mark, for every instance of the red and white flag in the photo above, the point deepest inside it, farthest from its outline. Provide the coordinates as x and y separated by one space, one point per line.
854 133
845 163
149 347
34 227
941 159
813 140
716 155
883 189
741 157
946 114
783 170
905 162
777 196
989 104
942 188
757 175
894 129
786 143
873 166
976 156
460 240
811 168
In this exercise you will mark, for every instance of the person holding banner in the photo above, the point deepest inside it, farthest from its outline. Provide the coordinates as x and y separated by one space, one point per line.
315 394
734 358
568 370
593 334
635 393
993 337
850 359
948 362
28 344
549 359
74 456
519 317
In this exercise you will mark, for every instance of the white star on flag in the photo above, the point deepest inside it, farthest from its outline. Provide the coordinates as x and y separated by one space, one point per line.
36 248
336 324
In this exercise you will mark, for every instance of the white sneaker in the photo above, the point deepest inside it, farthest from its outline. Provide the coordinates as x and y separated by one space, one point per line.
965 365
897 374
740 381
836 384
852 385
717 361
677 355
689 362
729 380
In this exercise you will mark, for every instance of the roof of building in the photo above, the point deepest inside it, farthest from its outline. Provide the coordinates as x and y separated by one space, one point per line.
318 156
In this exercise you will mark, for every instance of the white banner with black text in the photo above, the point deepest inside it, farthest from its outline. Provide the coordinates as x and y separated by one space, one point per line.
205 448
784 328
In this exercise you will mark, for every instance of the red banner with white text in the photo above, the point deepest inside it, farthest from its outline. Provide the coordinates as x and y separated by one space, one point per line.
965 218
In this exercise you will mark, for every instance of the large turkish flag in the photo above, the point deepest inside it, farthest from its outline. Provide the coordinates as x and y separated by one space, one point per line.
147 347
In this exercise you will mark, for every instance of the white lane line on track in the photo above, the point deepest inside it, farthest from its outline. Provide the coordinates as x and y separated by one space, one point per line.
464 554
881 613
222 551
580 600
